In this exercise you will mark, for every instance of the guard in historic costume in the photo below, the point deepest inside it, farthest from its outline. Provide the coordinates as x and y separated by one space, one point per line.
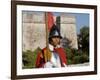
53 55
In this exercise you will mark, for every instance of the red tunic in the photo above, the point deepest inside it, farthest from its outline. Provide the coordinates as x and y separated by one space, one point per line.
40 58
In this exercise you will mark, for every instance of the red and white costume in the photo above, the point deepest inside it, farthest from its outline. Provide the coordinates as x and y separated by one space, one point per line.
58 58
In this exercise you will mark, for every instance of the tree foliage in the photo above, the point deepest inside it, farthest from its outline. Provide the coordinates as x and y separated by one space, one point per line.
29 58
81 55
83 39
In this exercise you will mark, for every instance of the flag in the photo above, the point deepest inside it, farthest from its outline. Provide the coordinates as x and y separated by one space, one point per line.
50 20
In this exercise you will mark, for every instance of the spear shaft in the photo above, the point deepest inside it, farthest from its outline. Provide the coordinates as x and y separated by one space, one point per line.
47 32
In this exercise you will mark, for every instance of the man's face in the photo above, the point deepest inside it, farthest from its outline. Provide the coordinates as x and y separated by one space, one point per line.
55 41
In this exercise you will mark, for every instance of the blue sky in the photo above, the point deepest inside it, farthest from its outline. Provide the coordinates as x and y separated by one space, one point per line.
82 19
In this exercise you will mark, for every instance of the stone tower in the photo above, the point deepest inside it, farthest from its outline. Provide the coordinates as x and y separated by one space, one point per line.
34 32
67 25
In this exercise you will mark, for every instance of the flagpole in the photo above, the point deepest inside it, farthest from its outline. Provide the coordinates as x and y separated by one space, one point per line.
47 33
47 53
46 24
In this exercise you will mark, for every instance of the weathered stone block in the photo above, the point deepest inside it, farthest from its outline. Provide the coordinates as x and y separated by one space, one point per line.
67 25
67 19
33 17
34 31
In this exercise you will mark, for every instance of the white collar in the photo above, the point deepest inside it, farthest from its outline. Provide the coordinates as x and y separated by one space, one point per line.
52 47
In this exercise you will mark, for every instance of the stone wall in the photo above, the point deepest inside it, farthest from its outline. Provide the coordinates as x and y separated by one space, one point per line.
34 31
67 24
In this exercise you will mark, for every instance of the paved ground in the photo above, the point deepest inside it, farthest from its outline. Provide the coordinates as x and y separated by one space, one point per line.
75 65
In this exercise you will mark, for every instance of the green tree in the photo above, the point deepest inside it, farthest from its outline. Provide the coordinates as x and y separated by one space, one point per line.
83 39
29 58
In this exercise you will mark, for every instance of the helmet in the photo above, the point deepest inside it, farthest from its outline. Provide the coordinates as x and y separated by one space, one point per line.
54 32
